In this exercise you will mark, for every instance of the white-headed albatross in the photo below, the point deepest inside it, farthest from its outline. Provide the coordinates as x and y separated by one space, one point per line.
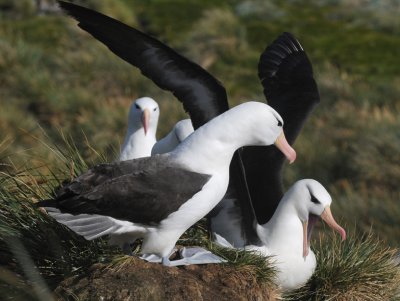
159 197
286 236
142 127
204 97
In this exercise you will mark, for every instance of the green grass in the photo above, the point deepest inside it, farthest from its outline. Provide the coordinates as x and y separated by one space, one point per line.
361 268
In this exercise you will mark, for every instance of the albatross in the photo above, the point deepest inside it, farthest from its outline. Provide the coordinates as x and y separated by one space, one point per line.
287 78
158 198
286 236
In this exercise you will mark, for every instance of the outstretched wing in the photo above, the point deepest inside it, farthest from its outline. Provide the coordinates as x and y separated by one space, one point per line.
289 86
202 95
287 77
144 191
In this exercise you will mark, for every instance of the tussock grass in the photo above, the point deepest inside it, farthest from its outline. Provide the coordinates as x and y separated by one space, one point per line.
361 268
245 261
24 229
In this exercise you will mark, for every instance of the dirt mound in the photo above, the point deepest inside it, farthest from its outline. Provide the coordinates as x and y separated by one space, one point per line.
134 279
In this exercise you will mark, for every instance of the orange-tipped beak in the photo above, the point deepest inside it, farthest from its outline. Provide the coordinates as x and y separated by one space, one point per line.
282 144
145 120
307 229
328 218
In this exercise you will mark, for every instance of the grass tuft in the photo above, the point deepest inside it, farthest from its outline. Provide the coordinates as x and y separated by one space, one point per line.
361 268
245 261
52 248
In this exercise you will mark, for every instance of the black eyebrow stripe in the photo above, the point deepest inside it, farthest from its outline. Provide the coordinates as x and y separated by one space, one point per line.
314 200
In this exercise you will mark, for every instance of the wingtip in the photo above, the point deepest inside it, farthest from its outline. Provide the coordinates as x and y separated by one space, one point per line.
279 52
289 41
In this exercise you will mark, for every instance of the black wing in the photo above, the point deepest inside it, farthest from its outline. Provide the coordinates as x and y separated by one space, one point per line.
289 86
202 95
287 77
144 190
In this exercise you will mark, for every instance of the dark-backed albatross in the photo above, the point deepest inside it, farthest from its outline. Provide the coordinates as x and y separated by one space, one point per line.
204 97
159 197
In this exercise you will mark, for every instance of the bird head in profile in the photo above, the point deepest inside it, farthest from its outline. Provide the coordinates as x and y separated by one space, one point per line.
315 204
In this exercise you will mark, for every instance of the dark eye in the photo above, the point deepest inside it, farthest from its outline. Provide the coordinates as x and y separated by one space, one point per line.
137 106
155 109
315 200
279 123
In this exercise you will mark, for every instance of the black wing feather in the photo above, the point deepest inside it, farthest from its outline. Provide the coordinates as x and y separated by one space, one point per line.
202 95
288 82
144 190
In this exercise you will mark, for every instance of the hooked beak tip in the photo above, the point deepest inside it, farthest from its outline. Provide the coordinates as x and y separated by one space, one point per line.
282 144
292 157
328 218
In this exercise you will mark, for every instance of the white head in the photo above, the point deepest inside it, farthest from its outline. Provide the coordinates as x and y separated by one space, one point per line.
250 123
312 200
144 113
266 126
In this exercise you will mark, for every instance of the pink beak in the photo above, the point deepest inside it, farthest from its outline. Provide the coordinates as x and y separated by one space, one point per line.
145 120
282 144
328 218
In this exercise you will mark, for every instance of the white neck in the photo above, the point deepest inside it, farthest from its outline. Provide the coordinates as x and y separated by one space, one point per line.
137 144
284 232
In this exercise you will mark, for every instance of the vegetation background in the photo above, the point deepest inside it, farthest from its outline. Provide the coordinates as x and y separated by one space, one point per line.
56 78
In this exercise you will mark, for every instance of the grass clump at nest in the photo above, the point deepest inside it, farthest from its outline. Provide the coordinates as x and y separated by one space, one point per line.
35 248
360 269
247 261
